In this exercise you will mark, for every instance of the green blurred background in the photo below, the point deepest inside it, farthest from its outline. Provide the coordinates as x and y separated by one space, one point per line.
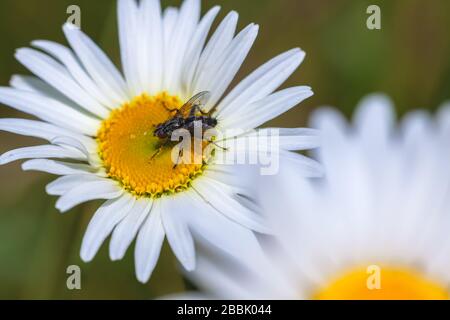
408 59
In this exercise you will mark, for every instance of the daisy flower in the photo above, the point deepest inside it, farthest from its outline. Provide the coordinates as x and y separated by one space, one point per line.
376 226
100 126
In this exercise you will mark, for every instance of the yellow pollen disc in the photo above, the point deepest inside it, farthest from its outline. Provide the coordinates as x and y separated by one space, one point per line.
127 147
382 284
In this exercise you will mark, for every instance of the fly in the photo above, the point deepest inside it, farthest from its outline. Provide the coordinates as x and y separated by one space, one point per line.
187 117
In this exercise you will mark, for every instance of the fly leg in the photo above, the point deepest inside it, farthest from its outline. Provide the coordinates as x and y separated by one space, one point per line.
180 154
214 143
157 152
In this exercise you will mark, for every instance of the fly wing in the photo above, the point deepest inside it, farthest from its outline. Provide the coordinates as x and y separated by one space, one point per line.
200 99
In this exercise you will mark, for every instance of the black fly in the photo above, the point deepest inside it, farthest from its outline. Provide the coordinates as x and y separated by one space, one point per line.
186 117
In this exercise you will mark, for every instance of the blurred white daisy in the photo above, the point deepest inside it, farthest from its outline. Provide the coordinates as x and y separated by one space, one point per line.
375 227
101 124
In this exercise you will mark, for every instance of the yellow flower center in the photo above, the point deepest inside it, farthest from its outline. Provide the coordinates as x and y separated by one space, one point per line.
382 284
136 158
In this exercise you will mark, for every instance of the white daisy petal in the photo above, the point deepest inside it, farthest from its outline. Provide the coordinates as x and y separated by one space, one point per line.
192 58
66 56
64 184
259 112
307 166
58 77
56 167
126 230
218 78
130 47
212 193
88 191
218 281
44 151
217 229
152 52
170 19
282 138
83 147
49 110
36 129
34 84
334 131
261 82
375 115
375 120
97 64
86 146
177 231
181 36
216 46
41 129
231 177
149 243
102 223
295 138
38 86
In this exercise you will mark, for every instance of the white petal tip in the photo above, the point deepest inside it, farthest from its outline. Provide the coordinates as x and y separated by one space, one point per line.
299 56
62 211
190 266
233 14
62 208
68 27
85 257
298 50
215 9
116 255
19 53
4 159
14 79
305 92
37 43
18 50
142 278
114 258
51 191
26 166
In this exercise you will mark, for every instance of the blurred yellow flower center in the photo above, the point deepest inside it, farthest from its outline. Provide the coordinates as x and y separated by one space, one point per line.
382 284
129 149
